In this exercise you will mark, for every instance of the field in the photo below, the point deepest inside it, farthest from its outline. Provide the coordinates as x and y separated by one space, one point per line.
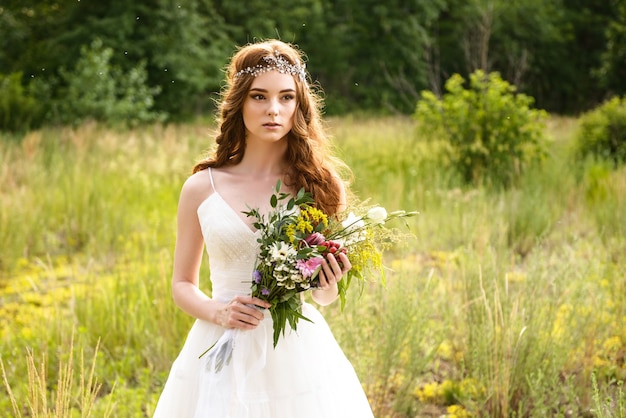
506 303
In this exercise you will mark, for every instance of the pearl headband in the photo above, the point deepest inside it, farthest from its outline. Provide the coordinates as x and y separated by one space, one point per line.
278 63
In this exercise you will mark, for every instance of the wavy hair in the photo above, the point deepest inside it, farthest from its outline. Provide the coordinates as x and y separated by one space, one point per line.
311 163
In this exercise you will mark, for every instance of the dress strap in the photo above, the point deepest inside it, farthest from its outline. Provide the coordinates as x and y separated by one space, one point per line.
211 178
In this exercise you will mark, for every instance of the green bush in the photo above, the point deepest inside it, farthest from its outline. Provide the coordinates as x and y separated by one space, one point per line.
602 132
97 90
19 110
487 132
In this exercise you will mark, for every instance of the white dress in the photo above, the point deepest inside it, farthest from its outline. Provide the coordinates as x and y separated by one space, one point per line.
305 376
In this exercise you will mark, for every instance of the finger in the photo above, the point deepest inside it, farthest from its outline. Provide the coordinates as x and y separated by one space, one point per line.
327 272
251 311
247 305
334 266
323 281
345 262
241 320
260 303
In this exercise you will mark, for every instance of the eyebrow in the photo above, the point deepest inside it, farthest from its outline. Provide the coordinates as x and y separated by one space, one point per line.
265 91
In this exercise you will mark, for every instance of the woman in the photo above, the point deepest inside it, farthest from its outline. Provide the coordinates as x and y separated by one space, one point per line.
270 129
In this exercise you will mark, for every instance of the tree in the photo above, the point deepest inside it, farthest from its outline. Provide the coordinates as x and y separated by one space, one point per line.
377 54
183 43
612 70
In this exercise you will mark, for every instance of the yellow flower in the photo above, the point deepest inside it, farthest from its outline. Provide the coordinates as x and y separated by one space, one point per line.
456 411
304 226
445 350
427 393
290 231
314 216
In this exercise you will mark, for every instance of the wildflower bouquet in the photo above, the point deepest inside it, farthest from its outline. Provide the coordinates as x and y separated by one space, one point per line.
295 238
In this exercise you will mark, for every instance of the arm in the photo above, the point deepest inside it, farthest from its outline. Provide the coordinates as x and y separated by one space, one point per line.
187 258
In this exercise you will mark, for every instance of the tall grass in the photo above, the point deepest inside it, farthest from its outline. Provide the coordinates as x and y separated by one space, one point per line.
506 303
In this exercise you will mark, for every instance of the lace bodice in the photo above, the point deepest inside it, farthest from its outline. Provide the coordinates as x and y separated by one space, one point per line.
231 245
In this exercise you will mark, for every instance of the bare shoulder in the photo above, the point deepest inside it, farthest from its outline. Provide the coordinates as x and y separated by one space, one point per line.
196 188
339 183
342 188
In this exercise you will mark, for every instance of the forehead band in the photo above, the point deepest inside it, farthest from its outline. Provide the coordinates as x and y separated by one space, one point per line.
276 62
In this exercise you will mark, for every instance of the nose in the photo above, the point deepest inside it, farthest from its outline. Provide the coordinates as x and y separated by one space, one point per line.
272 109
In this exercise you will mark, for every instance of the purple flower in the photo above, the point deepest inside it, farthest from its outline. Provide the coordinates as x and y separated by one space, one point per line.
256 276
315 239
308 267
265 291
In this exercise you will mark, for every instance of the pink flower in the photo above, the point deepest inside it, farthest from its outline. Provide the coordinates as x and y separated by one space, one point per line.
309 267
315 239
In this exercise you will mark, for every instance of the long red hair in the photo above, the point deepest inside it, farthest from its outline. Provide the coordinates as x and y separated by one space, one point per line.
311 163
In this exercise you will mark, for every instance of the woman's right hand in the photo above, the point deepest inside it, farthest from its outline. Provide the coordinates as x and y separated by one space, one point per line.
242 312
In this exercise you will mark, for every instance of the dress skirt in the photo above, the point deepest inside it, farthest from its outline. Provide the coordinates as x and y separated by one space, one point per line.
306 375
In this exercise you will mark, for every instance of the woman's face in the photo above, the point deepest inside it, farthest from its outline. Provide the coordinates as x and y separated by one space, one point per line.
270 106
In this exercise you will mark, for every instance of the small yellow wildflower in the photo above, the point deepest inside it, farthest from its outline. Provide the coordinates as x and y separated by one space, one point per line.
456 411
22 263
515 277
471 388
612 344
290 231
315 216
304 226
430 392
445 350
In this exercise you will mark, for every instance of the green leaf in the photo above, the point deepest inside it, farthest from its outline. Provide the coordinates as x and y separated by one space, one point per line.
304 253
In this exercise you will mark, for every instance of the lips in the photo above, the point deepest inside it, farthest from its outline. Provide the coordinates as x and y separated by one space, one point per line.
271 124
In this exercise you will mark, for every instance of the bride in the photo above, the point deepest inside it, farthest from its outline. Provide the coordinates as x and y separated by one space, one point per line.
270 129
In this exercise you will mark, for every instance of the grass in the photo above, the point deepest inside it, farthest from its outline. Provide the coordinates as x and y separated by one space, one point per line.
506 303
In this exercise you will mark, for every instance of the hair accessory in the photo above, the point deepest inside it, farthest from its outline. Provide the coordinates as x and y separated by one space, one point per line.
278 63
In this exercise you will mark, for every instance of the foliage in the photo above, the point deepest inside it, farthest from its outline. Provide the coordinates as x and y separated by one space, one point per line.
603 132
386 53
490 134
97 90
612 405
466 325
19 109
612 71
69 388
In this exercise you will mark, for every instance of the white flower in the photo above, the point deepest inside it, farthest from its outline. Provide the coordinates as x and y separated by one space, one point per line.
353 223
282 251
354 227
377 215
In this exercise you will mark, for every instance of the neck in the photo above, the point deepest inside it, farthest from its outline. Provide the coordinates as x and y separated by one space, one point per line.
264 159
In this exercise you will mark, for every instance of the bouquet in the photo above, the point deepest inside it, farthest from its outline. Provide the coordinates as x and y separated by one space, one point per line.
295 238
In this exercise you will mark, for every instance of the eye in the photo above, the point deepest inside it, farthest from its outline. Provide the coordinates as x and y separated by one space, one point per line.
288 97
257 96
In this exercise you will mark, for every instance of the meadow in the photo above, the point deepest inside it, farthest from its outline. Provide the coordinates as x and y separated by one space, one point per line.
504 303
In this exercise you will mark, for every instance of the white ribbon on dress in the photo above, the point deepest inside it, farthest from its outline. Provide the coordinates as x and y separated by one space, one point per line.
233 361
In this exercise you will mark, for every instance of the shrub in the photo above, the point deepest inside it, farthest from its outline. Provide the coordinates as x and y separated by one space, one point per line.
19 110
602 132
488 133
97 90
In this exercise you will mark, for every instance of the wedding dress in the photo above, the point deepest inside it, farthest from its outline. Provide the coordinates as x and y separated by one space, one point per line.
305 376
